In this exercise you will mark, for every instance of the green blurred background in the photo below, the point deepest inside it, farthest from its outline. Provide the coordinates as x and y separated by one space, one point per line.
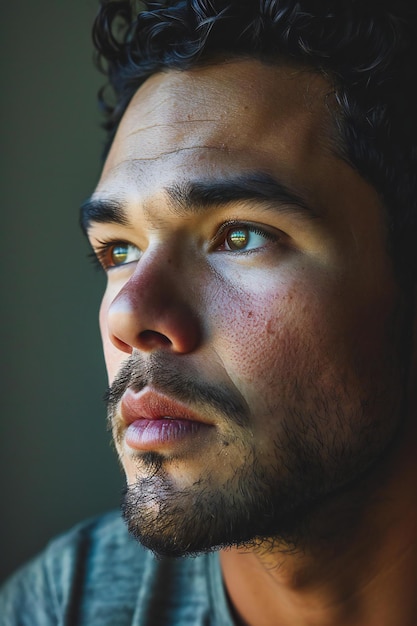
56 462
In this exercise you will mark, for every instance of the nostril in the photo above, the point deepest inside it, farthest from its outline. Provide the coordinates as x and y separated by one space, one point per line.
153 339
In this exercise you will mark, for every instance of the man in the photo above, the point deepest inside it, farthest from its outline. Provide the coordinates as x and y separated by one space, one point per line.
256 219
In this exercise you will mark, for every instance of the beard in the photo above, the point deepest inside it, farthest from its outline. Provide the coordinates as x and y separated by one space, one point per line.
278 501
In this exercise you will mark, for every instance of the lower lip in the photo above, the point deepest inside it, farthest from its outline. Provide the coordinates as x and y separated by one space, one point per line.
146 434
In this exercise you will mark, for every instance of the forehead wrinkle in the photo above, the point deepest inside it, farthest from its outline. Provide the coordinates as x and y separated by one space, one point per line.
175 124
113 166
171 152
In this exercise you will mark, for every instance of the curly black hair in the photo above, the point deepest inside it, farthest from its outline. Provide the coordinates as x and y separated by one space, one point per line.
366 49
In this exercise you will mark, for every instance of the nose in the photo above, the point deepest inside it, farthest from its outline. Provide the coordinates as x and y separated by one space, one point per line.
152 311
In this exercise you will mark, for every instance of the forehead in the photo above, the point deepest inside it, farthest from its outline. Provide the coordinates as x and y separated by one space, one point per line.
242 114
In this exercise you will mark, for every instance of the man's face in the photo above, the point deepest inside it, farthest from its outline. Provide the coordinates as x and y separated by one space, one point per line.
251 321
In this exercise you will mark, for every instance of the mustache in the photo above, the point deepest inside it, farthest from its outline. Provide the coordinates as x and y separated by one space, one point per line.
182 386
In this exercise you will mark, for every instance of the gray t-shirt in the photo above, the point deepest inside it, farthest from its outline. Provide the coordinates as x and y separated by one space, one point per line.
97 575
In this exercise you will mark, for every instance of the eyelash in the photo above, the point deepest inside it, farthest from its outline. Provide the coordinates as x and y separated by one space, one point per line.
102 248
100 252
92 257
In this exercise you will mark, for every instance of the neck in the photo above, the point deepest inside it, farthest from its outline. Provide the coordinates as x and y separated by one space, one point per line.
358 568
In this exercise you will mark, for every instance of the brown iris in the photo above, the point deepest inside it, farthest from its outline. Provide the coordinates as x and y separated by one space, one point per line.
118 254
238 238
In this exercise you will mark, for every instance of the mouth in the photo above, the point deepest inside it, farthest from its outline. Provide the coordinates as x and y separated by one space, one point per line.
155 422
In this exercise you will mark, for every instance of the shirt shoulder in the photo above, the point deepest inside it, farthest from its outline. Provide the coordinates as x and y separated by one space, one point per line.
96 574
53 587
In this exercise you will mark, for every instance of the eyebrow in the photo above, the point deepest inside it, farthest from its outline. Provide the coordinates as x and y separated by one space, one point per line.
194 197
102 211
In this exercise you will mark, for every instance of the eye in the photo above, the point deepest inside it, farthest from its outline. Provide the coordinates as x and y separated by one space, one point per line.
112 255
123 253
243 238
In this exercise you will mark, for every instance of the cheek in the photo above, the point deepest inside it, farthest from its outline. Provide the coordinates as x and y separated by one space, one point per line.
274 338
257 334
304 330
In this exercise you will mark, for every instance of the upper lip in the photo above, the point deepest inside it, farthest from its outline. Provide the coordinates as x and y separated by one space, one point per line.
153 405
